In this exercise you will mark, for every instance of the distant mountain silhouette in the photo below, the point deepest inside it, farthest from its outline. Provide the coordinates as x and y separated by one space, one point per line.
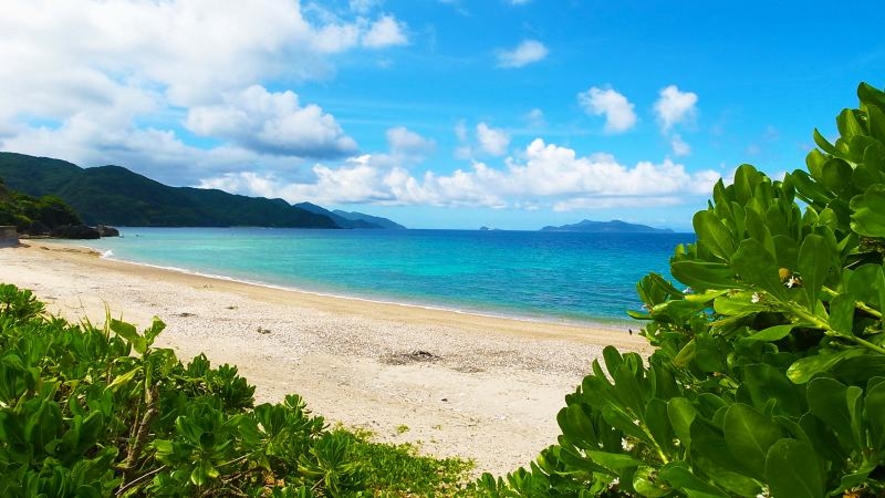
615 226
113 195
346 219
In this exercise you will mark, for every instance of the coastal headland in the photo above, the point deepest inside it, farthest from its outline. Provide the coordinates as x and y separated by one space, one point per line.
457 384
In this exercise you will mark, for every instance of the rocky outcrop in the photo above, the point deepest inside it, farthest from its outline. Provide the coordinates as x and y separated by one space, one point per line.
75 232
106 231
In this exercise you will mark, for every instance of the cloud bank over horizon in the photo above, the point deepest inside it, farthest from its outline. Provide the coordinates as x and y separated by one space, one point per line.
447 104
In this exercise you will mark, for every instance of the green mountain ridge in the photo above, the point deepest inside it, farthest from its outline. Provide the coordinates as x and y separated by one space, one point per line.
114 195
614 226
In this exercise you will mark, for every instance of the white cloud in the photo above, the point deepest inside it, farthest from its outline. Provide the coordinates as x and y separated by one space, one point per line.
364 6
492 140
461 131
535 118
680 148
385 32
155 61
272 123
674 107
527 52
618 111
548 176
403 141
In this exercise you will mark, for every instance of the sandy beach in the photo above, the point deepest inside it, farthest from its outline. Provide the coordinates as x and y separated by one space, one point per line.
457 384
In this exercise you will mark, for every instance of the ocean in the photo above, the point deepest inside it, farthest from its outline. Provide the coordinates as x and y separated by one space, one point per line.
534 275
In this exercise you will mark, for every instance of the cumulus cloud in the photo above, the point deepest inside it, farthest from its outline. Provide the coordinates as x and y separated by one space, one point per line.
385 32
674 107
364 6
527 52
618 111
535 118
403 141
546 175
492 140
156 62
274 123
680 148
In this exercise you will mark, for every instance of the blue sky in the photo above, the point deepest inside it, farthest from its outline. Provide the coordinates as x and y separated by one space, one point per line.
437 113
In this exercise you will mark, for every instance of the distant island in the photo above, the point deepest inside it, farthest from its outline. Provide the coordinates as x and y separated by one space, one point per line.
113 195
614 226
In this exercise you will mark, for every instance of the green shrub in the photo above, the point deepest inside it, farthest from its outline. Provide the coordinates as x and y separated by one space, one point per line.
768 375
91 412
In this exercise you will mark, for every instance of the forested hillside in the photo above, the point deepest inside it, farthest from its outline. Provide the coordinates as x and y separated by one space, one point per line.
113 195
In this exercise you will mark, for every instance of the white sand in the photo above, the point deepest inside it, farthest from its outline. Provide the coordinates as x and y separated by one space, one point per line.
490 392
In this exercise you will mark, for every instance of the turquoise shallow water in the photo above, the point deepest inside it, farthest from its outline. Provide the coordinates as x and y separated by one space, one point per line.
534 275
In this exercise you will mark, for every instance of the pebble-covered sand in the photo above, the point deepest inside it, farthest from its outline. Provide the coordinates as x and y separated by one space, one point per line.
457 384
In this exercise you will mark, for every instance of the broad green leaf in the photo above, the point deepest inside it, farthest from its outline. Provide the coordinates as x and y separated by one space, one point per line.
876 121
824 145
749 435
874 413
854 400
828 401
619 419
714 235
614 461
703 275
681 413
738 304
686 354
646 483
572 458
860 368
804 369
868 212
867 284
793 470
128 332
766 382
771 334
680 477
815 257
848 124
756 266
711 455
746 177
613 359
157 327
658 423
836 176
123 379
808 189
870 96
577 426
842 313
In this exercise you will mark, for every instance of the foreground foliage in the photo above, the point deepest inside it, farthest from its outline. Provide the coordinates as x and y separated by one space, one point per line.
101 412
768 376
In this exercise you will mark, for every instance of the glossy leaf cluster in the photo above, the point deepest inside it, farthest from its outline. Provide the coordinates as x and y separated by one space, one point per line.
92 412
768 375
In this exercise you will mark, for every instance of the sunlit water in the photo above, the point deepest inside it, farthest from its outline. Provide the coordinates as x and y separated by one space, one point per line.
551 276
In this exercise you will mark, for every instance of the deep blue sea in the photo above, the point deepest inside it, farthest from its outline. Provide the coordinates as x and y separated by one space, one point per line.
550 276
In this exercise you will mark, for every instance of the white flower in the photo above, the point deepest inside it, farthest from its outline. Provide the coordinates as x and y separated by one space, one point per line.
792 282
755 298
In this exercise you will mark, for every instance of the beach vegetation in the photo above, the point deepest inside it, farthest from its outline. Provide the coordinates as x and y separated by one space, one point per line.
768 372
92 411
34 214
